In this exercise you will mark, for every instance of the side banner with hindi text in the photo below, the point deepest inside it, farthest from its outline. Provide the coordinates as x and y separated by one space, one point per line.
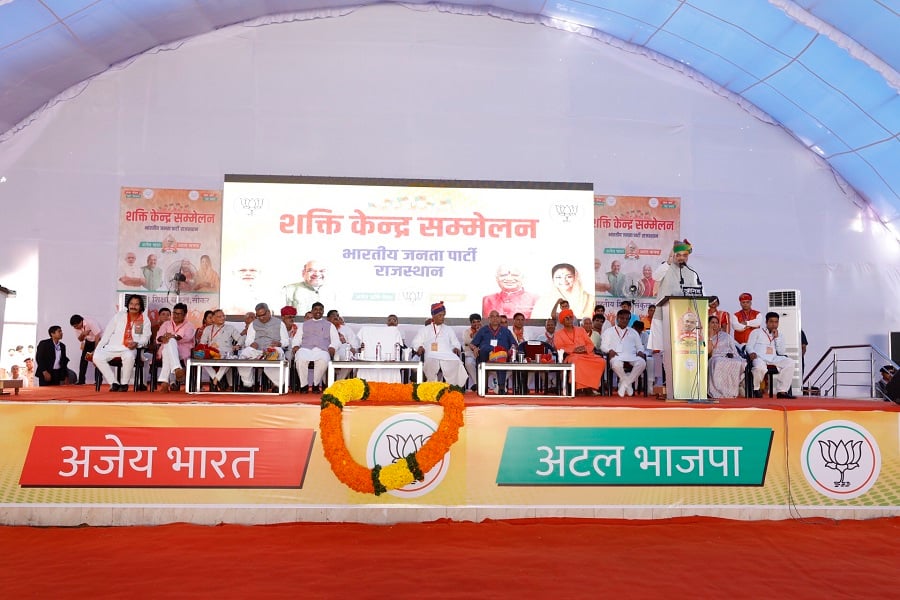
632 235
170 248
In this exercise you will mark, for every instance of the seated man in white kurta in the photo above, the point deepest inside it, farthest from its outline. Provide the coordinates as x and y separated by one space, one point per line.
316 341
125 333
263 334
766 347
440 347
622 344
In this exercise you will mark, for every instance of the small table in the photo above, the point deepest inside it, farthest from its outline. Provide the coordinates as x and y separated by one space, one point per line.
195 373
10 384
566 372
374 364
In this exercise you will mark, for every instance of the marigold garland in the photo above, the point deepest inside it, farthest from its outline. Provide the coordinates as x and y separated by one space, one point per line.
380 479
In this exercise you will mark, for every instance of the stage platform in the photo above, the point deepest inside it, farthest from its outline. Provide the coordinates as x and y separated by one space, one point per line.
71 455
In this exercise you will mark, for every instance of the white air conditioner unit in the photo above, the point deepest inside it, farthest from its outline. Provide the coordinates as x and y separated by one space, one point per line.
787 304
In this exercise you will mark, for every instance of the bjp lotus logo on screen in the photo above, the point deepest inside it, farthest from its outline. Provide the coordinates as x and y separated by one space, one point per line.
250 204
565 212
841 460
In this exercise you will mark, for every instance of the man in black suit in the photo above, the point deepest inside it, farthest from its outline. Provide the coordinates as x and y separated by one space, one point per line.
51 359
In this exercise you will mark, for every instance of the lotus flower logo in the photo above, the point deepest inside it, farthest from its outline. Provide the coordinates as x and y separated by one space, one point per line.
397 437
401 446
567 211
841 459
842 456
251 205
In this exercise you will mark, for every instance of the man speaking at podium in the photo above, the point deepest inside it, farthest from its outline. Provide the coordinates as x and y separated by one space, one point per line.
675 278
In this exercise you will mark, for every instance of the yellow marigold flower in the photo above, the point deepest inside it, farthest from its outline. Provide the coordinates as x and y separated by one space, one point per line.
396 475
428 391
347 390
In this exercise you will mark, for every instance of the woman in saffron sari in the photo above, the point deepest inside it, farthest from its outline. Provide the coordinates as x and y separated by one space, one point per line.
726 368
579 349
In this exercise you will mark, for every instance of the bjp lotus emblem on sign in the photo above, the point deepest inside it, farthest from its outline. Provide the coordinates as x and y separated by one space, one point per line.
398 436
841 460
842 456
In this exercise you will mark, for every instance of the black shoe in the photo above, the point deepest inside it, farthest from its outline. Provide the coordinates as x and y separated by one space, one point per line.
304 389
757 394
114 387
223 386
246 389
140 388
175 387
784 395
122 388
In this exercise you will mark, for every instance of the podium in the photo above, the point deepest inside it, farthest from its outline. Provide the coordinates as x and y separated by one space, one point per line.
684 339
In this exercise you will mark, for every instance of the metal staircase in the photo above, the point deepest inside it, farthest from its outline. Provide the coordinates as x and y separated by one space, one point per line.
846 371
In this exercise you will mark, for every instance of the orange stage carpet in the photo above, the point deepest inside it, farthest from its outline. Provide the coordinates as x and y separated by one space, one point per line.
86 393
535 558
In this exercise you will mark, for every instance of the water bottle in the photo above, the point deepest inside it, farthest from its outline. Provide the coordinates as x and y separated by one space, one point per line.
378 351
396 351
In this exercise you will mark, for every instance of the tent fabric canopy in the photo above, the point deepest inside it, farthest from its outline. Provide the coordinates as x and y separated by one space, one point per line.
825 70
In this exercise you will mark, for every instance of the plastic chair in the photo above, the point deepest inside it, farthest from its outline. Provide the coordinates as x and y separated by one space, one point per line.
117 363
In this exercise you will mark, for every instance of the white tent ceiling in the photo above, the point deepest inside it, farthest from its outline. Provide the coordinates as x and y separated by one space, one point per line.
825 70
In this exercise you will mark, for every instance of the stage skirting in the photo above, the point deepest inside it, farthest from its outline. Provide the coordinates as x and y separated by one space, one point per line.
130 464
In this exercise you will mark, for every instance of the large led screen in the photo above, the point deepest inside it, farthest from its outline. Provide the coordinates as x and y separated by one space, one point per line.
371 247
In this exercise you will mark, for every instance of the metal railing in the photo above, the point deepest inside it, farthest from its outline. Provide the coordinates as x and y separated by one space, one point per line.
854 368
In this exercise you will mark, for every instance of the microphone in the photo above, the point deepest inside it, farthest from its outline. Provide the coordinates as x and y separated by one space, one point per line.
700 283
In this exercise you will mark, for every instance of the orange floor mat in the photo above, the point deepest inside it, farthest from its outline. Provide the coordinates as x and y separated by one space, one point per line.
540 558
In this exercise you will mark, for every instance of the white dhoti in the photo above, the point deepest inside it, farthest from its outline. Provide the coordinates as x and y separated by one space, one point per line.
783 378
251 353
102 356
319 358
452 368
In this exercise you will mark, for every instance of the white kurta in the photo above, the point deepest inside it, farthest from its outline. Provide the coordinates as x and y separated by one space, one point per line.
769 350
438 342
